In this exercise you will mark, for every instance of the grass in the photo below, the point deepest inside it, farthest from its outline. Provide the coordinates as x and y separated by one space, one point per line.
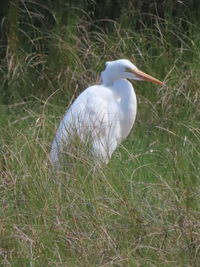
142 209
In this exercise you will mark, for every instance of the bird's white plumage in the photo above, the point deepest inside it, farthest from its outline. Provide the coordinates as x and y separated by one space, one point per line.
105 113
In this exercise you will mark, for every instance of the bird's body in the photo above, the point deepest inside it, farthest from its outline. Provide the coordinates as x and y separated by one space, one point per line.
103 114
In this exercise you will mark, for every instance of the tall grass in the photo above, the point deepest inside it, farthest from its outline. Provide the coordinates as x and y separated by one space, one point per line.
142 209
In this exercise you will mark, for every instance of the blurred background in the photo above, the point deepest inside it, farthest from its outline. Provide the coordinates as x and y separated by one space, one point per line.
44 42
142 209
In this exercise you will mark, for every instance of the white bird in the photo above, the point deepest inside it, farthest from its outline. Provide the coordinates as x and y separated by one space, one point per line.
103 114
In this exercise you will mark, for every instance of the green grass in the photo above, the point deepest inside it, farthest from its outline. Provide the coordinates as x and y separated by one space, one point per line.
142 209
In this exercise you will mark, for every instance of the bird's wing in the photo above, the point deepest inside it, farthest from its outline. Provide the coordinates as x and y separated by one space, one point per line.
102 118
91 117
67 125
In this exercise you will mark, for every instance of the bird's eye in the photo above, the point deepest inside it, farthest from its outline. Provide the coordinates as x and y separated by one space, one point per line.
127 69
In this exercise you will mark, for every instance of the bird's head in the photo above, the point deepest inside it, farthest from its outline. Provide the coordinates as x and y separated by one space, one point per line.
124 69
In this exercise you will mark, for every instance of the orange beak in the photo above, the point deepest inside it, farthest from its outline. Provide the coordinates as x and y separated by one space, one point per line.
143 76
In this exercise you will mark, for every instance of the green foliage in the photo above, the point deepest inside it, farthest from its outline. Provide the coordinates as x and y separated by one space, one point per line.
142 209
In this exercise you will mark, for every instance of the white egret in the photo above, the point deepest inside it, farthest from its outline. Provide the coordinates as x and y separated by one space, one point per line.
105 112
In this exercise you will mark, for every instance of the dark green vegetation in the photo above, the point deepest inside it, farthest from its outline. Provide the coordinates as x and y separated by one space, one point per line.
143 208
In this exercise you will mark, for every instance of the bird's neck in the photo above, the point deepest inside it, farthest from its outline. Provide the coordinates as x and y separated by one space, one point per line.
124 91
107 82
108 79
